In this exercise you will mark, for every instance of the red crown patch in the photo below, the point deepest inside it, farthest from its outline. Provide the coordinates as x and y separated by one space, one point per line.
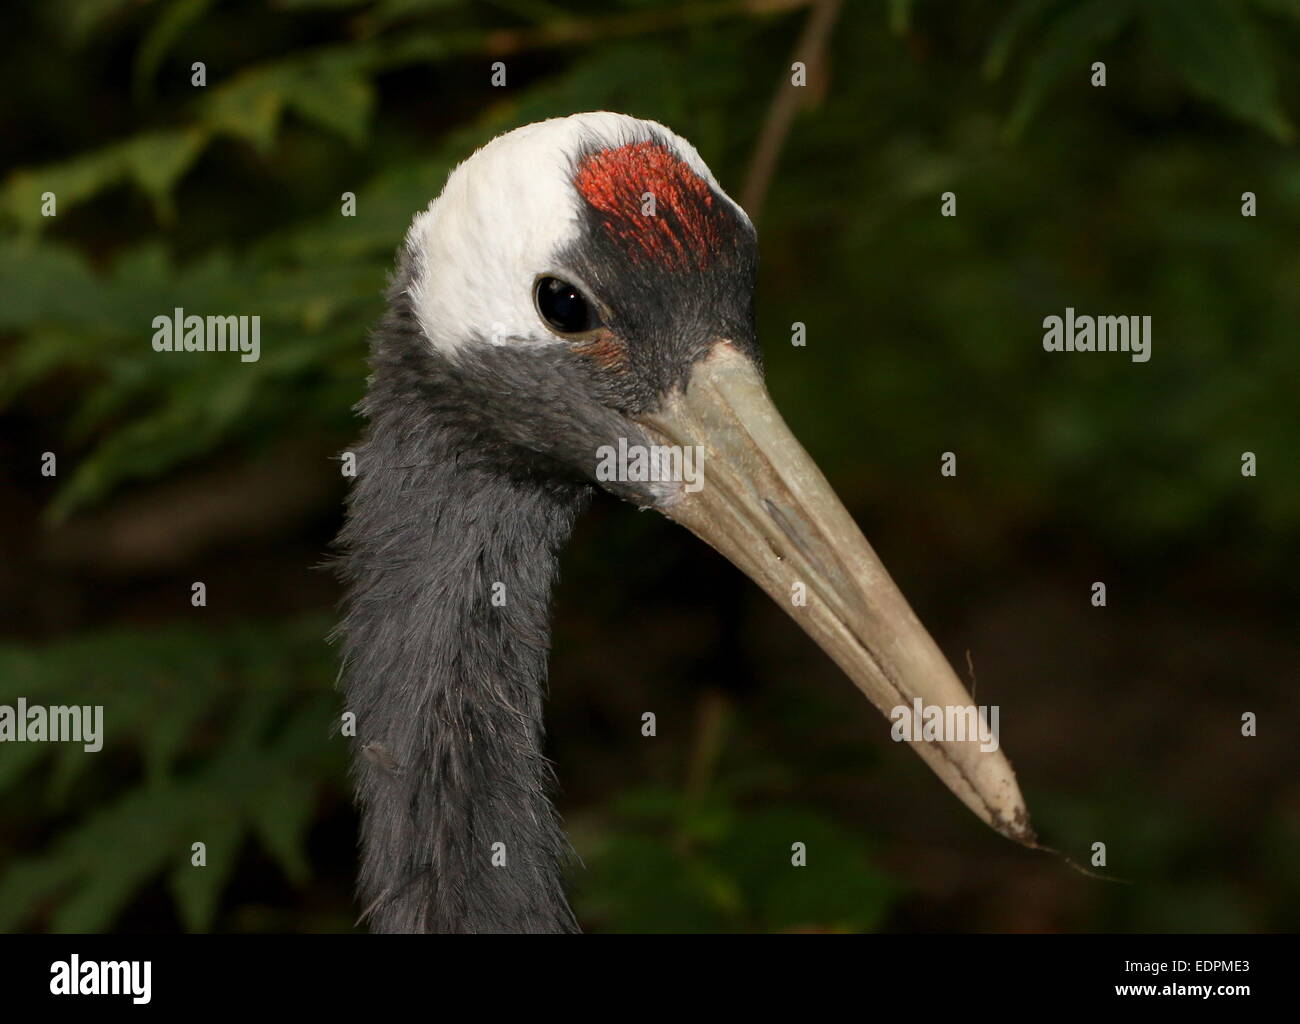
652 204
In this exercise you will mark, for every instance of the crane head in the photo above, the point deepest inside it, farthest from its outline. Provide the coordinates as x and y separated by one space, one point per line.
580 295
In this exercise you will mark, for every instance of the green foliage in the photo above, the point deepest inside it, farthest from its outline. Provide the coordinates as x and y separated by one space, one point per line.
1159 853
154 161
1211 45
1214 49
1066 42
167 411
674 864
328 87
228 735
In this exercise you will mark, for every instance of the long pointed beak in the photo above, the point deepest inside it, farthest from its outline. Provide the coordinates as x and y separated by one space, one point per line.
763 504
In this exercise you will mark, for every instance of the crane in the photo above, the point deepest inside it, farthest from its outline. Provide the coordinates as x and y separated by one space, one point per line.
582 286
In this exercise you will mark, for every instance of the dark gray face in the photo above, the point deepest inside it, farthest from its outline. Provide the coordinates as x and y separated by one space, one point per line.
667 263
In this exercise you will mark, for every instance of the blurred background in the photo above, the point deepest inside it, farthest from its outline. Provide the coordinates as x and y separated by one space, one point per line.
924 335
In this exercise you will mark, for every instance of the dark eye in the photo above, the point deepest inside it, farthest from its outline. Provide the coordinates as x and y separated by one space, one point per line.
563 307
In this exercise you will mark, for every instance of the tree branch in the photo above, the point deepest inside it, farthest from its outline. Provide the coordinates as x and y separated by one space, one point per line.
811 49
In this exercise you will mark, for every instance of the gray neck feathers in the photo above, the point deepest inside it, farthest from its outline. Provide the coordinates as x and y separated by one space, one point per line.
449 565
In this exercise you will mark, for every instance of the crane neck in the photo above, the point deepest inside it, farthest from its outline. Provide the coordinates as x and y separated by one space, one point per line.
450 564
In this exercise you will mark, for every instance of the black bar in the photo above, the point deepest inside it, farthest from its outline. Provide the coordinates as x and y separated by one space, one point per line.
388 977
